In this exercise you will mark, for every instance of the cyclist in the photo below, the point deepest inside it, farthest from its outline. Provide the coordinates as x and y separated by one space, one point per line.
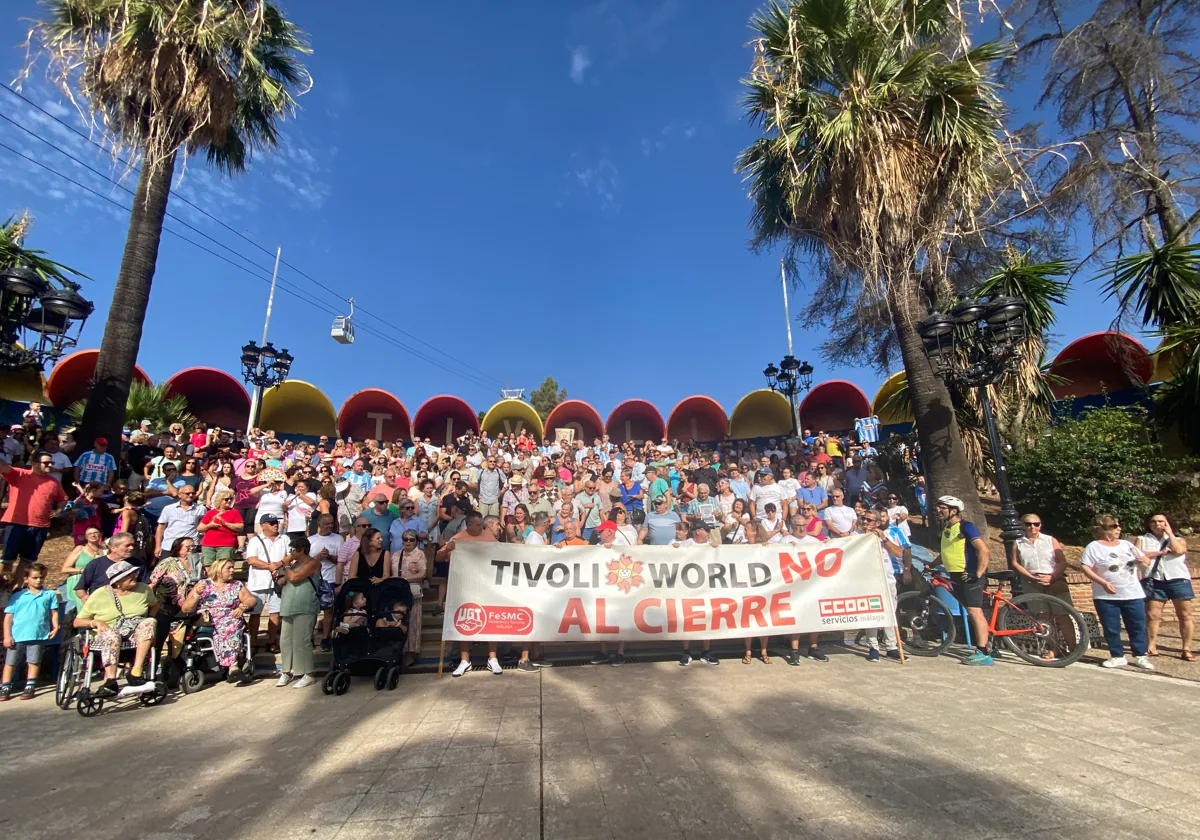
965 556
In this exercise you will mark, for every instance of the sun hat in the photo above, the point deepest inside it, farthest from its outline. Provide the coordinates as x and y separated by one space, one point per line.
120 570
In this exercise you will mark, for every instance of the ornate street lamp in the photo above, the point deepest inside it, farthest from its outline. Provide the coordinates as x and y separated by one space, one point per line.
263 367
39 322
790 378
975 345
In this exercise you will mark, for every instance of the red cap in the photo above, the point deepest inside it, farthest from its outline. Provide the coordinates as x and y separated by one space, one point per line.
607 525
100 442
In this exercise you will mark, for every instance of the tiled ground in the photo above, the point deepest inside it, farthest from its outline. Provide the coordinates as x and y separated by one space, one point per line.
842 750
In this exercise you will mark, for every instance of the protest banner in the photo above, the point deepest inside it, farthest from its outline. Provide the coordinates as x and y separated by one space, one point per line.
502 592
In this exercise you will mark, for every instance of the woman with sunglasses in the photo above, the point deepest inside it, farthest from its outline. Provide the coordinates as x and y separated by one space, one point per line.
1111 564
1167 579
410 563
190 474
897 514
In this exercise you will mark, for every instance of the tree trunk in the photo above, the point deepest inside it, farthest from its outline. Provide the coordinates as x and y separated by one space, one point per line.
943 458
105 413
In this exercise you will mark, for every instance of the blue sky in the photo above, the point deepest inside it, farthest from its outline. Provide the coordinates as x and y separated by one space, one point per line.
534 189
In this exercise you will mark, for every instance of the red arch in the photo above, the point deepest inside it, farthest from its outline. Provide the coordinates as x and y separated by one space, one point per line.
1102 362
634 420
697 418
579 415
352 419
212 395
71 378
833 406
431 418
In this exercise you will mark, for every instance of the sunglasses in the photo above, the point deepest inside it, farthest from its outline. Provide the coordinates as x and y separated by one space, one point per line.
409 539
1032 524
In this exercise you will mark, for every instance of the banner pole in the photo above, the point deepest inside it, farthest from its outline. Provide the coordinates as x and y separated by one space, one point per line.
900 645
441 658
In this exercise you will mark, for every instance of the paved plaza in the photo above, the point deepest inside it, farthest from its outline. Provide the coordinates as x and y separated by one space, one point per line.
841 750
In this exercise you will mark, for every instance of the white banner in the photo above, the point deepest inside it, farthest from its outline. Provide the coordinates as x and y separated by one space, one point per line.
503 592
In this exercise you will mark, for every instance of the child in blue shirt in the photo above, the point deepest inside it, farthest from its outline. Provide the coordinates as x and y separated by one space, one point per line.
30 620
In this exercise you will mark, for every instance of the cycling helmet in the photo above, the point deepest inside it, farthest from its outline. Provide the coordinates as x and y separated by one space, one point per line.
951 502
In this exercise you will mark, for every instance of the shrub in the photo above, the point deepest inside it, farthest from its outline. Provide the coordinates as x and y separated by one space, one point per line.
1101 462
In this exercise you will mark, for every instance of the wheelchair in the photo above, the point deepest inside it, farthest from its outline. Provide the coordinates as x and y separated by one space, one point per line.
81 666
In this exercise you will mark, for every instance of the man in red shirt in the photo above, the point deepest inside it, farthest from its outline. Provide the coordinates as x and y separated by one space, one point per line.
34 498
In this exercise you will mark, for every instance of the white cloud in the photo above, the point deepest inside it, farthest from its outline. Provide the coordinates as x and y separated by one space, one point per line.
580 62
596 181
689 132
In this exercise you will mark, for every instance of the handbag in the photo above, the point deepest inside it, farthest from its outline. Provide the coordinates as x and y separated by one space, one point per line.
1148 581
324 590
125 625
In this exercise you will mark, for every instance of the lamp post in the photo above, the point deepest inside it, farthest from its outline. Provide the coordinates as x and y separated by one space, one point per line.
790 378
975 345
38 321
263 367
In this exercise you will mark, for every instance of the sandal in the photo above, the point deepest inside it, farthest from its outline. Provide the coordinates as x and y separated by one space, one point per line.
766 659
1187 656
747 659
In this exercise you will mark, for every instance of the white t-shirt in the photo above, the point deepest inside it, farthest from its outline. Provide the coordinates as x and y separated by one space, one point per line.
271 503
840 517
789 487
1116 564
299 513
269 551
764 494
329 564
902 524
60 463
534 538
1170 566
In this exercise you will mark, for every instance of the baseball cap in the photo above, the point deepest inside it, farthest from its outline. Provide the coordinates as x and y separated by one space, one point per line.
607 525
269 519
101 441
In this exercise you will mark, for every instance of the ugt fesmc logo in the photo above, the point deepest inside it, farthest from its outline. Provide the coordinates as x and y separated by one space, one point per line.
857 605
472 619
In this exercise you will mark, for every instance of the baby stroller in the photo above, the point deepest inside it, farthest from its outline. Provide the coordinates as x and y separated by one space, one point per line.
369 650
197 661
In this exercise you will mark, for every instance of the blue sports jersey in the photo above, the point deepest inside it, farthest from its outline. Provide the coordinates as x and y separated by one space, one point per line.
867 429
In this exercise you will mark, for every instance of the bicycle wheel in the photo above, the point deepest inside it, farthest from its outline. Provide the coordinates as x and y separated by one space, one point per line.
926 625
1052 632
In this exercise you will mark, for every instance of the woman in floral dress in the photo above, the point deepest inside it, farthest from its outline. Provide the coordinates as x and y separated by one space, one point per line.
227 602
412 565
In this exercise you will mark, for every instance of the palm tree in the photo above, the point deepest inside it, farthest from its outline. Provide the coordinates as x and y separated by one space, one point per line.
880 126
146 402
1161 289
165 77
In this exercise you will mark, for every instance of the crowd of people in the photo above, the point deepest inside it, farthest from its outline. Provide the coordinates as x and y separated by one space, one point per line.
159 518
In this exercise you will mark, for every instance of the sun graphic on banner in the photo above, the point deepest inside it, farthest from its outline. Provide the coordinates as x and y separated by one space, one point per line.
625 573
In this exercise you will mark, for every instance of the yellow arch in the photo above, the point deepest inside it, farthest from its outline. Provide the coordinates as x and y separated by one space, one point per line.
1165 361
27 385
518 414
888 417
761 413
299 408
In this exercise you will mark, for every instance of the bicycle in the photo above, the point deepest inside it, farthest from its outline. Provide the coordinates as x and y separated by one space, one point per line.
1041 629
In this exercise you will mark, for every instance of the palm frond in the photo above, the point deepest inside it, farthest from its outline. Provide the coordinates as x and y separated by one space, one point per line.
1161 286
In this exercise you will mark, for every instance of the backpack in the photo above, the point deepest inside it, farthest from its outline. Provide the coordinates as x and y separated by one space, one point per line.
143 536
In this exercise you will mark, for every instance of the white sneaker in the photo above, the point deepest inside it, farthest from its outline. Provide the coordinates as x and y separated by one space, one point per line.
304 682
1115 662
494 666
283 680
463 666
1143 662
